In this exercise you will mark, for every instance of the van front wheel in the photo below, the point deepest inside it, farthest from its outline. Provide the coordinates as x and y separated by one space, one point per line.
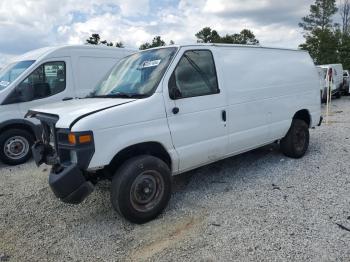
15 146
296 142
141 188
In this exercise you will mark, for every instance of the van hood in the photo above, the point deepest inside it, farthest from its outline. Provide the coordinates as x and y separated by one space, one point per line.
67 113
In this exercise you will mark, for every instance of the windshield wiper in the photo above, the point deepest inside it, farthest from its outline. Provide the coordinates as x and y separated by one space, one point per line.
119 95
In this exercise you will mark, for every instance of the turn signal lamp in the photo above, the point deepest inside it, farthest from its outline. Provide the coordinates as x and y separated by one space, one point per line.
73 139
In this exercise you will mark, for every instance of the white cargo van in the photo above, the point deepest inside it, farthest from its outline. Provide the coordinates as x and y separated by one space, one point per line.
168 110
346 85
334 74
322 73
45 76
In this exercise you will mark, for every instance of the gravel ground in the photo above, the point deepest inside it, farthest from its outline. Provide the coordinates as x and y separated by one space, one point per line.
257 206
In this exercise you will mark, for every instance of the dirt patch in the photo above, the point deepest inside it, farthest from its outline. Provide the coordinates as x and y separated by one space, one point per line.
186 228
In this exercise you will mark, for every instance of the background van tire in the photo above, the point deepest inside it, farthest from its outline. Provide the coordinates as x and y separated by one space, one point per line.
338 94
141 188
296 142
15 146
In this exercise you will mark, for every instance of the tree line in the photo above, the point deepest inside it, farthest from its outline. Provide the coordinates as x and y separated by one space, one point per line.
206 35
326 41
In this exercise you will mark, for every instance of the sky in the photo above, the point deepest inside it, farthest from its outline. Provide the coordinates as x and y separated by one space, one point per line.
29 24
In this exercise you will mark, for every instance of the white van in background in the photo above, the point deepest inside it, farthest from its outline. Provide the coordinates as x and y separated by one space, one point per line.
346 85
41 77
168 110
334 72
322 73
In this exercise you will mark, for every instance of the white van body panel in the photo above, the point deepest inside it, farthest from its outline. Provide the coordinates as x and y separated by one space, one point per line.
85 66
71 110
123 126
198 132
259 99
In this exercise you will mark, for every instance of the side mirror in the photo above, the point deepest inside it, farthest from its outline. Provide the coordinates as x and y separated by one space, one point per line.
174 91
16 96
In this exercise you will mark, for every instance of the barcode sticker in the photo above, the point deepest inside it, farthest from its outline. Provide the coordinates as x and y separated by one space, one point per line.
151 63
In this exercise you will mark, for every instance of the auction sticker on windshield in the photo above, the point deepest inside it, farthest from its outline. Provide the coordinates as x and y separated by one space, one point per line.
4 83
151 63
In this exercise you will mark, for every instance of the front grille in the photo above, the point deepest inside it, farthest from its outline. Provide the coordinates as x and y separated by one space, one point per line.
62 137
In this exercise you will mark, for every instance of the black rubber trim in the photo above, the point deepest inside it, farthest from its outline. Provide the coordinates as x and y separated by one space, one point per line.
84 152
35 128
321 120
96 111
80 194
70 185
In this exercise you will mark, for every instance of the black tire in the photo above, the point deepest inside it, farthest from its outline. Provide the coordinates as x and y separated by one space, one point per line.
296 142
15 146
141 188
338 94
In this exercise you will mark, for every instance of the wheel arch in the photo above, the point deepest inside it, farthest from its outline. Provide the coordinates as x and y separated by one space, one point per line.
20 124
152 148
304 115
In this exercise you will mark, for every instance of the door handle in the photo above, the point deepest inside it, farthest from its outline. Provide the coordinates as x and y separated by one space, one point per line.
175 110
223 115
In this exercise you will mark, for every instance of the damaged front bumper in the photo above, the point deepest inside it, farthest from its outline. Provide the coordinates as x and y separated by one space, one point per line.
69 184
67 180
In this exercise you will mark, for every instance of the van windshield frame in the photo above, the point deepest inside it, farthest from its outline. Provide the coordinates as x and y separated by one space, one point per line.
13 71
137 75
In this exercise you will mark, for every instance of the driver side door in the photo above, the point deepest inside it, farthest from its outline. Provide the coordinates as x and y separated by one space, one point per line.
196 109
48 83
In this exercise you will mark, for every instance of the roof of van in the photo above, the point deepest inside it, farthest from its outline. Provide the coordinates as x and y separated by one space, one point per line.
37 53
233 45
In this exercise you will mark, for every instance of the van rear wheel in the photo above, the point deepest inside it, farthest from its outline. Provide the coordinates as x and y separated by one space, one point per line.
296 142
141 188
15 146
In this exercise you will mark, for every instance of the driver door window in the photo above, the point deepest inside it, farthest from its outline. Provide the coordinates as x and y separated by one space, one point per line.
47 80
195 75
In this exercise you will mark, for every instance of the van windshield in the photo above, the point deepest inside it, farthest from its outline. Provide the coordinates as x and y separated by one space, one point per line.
12 71
137 75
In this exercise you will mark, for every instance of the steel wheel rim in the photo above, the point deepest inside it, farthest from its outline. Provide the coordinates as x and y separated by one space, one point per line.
147 191
16 147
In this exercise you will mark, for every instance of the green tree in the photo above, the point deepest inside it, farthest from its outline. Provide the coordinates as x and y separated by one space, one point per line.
119 44
344 51
344 11
321 35
207 35
104 42
323 46
245 37
344 46
157 41
320 17
94 39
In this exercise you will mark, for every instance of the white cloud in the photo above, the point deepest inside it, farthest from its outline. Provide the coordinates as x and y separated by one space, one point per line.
30 24
220 6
